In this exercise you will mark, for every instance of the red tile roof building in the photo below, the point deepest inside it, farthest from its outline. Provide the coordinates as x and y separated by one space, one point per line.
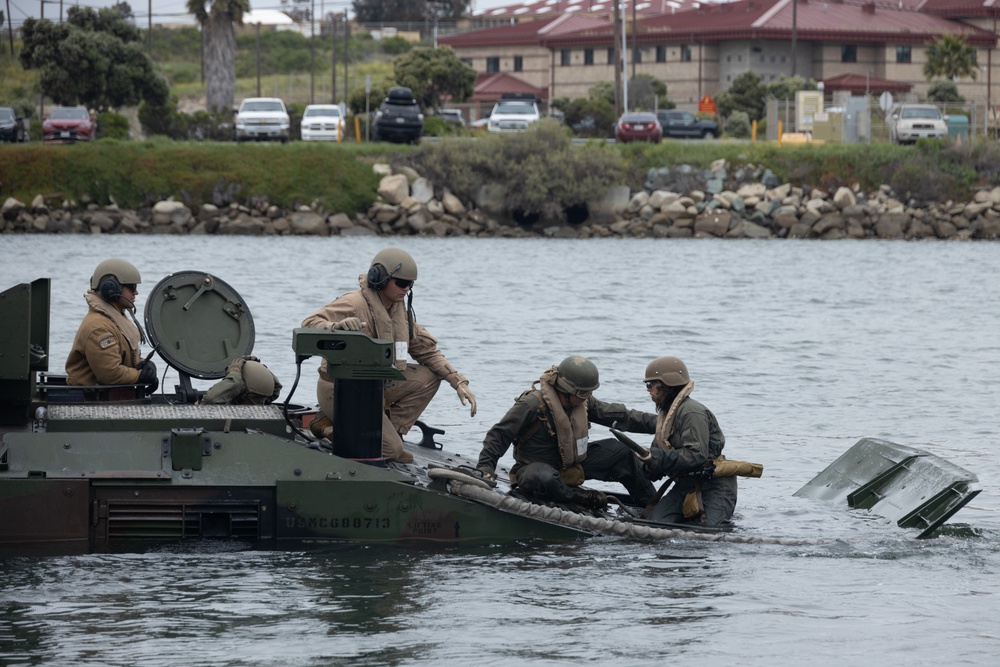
701 48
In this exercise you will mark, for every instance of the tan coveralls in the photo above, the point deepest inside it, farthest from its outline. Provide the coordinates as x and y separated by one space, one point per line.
417 357
106 347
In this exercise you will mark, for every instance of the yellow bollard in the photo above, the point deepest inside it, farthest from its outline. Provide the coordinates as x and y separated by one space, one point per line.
779 132
753 131
340 124
357 129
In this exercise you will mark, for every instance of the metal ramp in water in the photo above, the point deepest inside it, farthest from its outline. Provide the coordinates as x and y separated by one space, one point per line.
912 487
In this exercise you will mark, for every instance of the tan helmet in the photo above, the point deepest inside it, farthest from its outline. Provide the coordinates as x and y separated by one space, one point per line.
391 263
671 371
577 375
258 380
122 271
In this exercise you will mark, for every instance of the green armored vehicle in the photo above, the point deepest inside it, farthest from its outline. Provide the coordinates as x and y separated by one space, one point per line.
108 468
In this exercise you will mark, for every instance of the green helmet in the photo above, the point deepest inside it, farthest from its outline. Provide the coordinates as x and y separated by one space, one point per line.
671 371
258 380
391 263
122 271
577 375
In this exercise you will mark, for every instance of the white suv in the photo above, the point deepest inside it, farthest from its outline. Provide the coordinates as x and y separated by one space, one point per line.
261 119
513 116
909 122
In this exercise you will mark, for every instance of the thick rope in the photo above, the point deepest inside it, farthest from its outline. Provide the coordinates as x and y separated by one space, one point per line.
601 526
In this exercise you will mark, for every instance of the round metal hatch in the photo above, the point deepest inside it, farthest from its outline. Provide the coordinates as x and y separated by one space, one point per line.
198 323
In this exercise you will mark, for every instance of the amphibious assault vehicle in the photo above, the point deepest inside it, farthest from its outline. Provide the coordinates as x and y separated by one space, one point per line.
108 468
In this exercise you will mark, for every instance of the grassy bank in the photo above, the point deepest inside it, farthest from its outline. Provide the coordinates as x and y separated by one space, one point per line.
533 167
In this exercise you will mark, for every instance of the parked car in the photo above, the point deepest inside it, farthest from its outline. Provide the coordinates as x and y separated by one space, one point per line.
68 125
322 122
261 119
399 118
909 122
11 126
452 117
638 126
685 124
513 115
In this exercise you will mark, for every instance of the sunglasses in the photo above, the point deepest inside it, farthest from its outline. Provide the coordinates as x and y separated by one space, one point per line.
130 286
652 383
402 284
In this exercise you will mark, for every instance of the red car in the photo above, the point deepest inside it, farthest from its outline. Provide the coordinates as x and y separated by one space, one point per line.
67 125
638 126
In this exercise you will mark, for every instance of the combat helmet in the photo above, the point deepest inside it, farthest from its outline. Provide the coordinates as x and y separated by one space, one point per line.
391 263
671 371
578 376
258 380
121 270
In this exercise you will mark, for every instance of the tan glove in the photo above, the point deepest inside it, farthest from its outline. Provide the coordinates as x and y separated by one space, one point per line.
461 386
349 324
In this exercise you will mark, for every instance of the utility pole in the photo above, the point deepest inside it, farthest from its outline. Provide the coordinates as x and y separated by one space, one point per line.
312 52
10 30
149 23
618 70
333 58
258 58
347 41
635 46
795 26
41 95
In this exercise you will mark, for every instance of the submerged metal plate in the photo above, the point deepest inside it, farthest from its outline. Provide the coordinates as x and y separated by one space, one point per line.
912 487
198 323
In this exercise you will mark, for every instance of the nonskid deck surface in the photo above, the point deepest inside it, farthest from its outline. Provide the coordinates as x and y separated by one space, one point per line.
179 412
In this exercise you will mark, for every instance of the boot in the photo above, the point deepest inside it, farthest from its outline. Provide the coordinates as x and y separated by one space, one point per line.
321 426
591 498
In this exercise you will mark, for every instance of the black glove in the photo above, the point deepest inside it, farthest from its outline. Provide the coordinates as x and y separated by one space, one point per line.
148 376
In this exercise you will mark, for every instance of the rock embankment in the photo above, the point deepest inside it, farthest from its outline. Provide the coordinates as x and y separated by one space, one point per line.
675 202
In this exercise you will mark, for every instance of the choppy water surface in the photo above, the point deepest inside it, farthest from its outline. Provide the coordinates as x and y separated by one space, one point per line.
800 349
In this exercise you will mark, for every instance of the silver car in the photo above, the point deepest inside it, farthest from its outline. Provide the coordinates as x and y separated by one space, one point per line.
909 122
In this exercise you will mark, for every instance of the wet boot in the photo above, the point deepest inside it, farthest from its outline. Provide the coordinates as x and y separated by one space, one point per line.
590 498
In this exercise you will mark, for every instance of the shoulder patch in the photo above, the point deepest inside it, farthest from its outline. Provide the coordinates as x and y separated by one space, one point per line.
107 342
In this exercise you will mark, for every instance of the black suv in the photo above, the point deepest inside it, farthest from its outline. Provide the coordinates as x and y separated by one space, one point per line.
399 118
686 124
11 126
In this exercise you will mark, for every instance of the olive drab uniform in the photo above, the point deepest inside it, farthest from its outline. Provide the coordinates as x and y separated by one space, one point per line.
232 389
415 354
528 426
695 441
106 347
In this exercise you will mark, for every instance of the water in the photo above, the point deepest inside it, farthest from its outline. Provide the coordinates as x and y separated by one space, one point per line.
800 349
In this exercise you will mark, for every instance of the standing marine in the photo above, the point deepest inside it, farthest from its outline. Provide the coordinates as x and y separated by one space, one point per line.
549 427
106 348
377 309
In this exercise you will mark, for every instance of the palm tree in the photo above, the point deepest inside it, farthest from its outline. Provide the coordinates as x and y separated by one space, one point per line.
951 58
218 19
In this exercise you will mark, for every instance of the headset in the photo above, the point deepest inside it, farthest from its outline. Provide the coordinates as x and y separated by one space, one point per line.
378 277
110 289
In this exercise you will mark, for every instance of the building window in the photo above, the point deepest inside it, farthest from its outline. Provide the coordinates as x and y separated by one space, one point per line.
849 53
661 54
903 54
588 56
611 56
518 63
493 64
636 55
467 61
685 53
564 57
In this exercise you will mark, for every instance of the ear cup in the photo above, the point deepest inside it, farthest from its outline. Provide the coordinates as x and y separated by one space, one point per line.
110 289
378 277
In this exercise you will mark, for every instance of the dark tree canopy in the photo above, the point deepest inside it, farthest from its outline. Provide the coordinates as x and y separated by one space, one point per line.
94 58
400 11
434 75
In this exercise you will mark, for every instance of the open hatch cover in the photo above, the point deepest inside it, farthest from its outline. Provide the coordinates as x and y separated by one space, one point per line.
198 323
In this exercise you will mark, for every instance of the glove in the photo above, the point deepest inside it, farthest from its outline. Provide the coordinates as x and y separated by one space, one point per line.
591 498
487 473
147 376
349 324
461 386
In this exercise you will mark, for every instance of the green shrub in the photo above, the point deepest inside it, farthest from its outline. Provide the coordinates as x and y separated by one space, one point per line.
540 170
111 125
738 125
436 127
